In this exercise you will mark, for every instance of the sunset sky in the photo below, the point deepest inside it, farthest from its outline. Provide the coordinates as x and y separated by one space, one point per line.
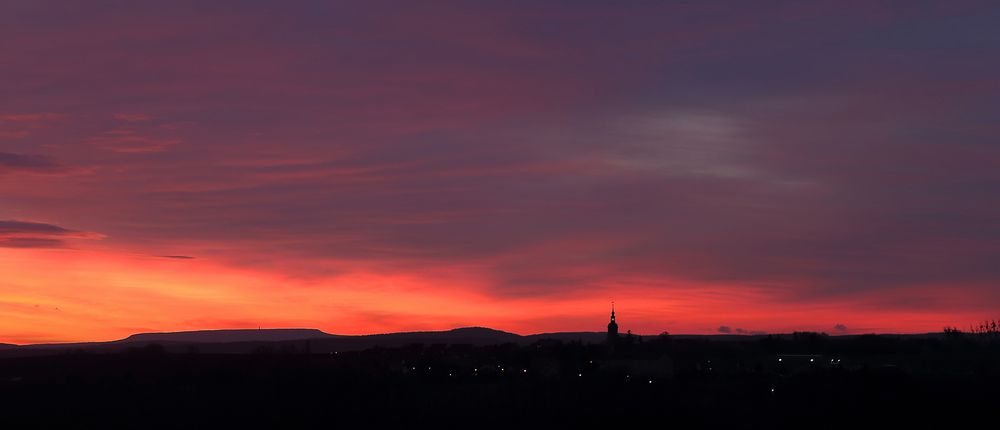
372 166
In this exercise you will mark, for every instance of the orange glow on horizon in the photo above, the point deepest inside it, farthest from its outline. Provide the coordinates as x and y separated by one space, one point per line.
73 295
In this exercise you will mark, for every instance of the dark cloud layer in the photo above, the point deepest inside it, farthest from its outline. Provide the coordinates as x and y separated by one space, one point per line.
26 234
31 242
26 227
28 163
818 151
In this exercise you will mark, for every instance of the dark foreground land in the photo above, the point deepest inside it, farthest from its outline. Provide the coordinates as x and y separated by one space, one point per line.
796 381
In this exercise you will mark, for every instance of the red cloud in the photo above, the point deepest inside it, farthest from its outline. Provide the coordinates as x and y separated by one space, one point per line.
130 141
793 166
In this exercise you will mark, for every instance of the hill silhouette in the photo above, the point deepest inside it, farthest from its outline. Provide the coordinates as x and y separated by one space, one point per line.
241 341
225 336
245 341
490 378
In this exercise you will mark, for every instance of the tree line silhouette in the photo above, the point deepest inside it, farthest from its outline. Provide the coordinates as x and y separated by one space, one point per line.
985 328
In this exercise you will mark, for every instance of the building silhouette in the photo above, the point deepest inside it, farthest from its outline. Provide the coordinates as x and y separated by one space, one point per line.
612 327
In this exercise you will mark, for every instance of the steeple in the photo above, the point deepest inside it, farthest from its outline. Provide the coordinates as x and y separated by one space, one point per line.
612 327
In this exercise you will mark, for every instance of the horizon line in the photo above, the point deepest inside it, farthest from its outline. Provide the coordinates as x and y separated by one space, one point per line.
835 334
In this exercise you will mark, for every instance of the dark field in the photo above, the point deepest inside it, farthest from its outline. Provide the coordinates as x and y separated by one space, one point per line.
793 381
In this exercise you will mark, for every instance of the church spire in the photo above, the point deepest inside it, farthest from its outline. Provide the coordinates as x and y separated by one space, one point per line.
612 327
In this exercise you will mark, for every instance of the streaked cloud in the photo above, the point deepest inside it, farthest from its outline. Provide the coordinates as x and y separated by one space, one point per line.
26 234
130 141
778 168
13 162
132 117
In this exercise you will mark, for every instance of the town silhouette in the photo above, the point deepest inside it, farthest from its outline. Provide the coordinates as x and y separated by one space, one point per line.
479 377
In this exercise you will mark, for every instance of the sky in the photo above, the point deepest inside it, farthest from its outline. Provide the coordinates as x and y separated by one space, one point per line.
374 166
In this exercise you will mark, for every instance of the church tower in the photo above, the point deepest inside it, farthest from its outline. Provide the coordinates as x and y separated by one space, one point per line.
612 327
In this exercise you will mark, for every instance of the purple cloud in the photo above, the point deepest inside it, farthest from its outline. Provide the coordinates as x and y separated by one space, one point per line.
13 162
26 234
816 152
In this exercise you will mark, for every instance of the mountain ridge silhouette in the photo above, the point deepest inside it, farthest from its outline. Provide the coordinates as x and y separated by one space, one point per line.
229 341
243 341
228 335
283 334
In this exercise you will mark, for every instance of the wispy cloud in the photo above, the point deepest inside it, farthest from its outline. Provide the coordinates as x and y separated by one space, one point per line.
131 141
132 117
831 155
22 125
13 162
27 234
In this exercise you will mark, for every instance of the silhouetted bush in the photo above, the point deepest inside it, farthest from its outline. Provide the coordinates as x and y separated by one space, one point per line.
952 332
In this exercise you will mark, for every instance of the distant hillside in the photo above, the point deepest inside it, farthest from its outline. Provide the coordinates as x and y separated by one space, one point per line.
316 341
228 336
283 340
473 335
460 336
